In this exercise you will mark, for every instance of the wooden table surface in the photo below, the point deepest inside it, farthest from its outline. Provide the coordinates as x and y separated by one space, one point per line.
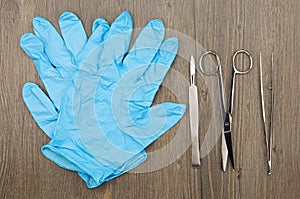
268 26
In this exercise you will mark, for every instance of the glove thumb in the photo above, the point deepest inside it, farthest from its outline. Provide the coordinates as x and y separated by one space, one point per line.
169 114
40 107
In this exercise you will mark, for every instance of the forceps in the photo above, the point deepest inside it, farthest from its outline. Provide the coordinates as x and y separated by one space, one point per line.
268 134
226 145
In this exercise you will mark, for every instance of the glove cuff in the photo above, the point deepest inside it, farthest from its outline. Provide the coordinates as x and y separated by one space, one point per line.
88 167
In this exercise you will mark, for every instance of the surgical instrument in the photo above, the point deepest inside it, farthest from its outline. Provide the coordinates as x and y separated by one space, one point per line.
194 121
268 137
227 149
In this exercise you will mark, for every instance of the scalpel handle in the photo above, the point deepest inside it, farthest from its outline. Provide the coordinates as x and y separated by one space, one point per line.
194 125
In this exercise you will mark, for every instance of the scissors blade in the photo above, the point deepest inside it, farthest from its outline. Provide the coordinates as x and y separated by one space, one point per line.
227 134
229 147
224 151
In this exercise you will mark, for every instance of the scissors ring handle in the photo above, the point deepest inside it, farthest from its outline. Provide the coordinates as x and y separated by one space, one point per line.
218 61
250 60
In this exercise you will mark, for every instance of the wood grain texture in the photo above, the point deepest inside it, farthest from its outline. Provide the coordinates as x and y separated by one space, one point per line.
223 26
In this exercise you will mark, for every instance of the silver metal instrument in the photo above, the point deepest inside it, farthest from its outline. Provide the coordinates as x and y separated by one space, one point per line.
226 147
268 134
194 118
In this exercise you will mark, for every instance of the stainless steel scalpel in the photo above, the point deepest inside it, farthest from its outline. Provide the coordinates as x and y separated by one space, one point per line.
194 118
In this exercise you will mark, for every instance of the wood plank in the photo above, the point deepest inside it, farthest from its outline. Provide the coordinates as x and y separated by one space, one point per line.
26 171
223 26
269 26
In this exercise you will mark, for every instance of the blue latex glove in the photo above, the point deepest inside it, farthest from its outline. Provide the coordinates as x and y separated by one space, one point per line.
56 58
105 119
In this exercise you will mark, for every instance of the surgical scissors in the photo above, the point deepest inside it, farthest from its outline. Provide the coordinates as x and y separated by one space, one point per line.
226 147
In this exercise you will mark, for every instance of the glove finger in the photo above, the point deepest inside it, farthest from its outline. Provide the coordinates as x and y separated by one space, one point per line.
40 107
34 49
54 46
48 74
100 28
73 32
161 118
117 40
151 76
146 45
99 22
156 72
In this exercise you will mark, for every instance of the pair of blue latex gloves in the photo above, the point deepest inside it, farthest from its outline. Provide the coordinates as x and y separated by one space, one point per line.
98 111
